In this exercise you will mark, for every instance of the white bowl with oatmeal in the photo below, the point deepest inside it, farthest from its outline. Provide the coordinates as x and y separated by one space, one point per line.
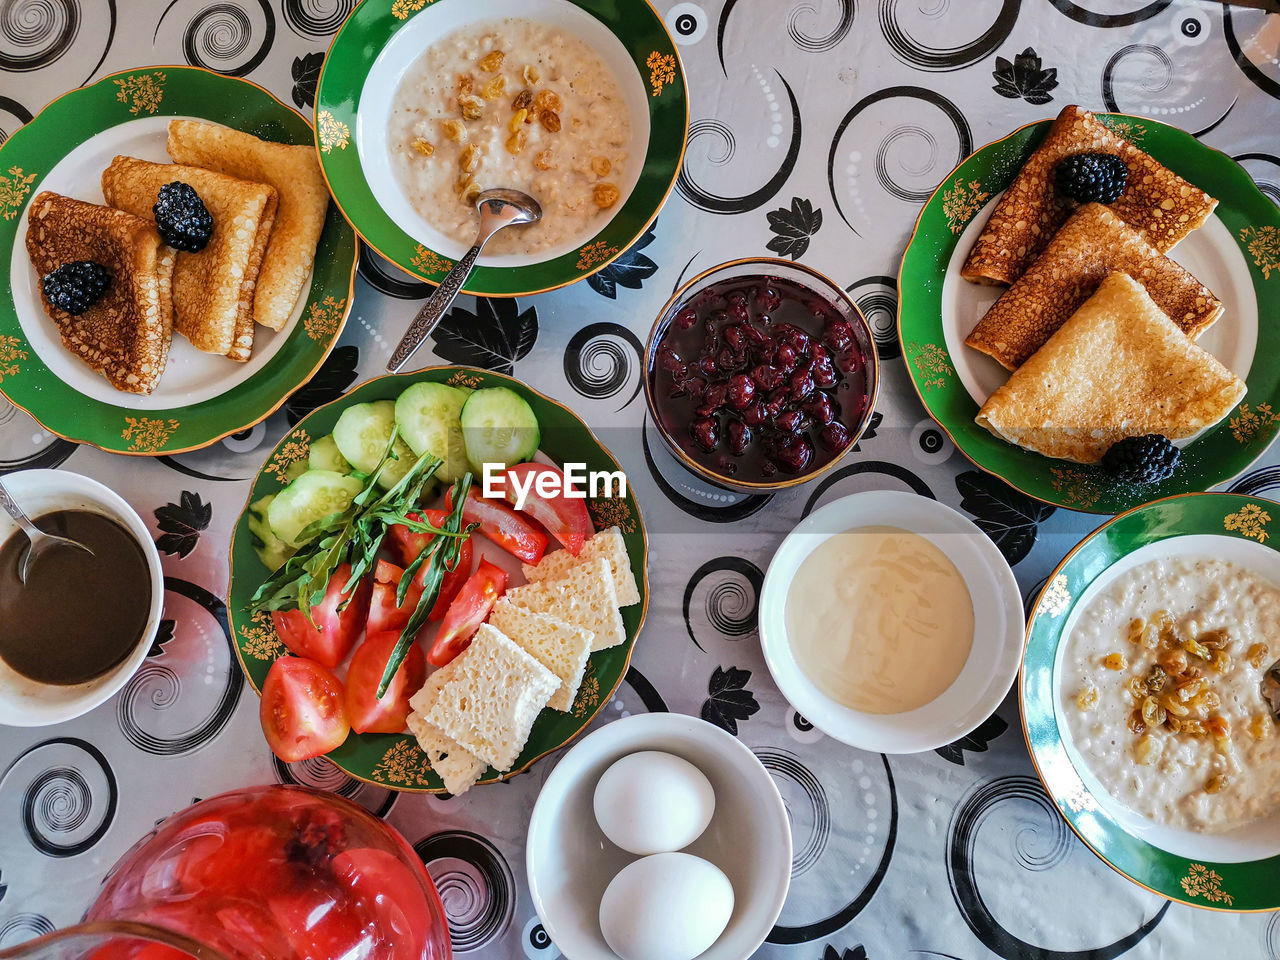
1169 731
538 96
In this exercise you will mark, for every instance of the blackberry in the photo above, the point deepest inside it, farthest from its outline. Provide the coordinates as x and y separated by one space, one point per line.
76 286
182 218
1148 459
1091 177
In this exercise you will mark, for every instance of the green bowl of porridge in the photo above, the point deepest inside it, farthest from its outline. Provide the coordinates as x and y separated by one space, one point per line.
424 103
1142 697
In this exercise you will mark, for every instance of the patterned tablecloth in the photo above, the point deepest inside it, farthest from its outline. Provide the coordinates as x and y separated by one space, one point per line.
819 128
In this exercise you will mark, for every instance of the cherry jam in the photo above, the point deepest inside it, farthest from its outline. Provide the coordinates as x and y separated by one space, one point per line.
759 379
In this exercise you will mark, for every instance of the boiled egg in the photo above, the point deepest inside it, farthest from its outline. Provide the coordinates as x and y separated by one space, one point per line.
653 802
669 906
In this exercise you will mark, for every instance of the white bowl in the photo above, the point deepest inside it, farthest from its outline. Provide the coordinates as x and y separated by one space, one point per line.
570 862
24 702
998 626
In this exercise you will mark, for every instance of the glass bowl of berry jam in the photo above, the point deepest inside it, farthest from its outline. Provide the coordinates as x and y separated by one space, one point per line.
760 374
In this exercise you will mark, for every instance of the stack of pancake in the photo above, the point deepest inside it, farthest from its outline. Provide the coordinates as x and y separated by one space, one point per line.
1097 324
268 203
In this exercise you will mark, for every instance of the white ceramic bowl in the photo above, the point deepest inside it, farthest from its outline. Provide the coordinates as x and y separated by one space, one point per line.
570 862
24 702
998 626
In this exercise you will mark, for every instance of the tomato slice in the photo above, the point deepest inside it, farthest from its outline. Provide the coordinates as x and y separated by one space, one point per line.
565 517
335 632
302 710
467 612
384 615
508 529
411 543
387 888
368 713
321 923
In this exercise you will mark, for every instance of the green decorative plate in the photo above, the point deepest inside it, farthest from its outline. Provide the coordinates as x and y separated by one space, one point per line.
1236 253
395 760
382 38
201 398
1237 871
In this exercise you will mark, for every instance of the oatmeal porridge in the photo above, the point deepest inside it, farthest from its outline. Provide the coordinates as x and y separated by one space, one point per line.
512 103
1162 692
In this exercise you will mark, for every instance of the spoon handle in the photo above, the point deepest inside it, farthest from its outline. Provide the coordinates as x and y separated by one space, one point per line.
433 310
12 509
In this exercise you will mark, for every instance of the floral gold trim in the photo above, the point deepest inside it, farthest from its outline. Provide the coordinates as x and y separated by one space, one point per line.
428 261
324 318
1200 881
1263 244
404 764
13 191
611 512
961 201
662 71
10 353
147 435
401 9
588 697
1078 487
464 379
295 449
594 253
332 131
260 640
1247 424
143 92
933 362
1249 521
1131 130
1056 596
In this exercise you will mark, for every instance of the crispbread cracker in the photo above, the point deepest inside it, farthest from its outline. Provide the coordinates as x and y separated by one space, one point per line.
303 200
458 768
585 598
1117 368
126 334
213 288
560 647
607 544
1156 201
488 696
1091 244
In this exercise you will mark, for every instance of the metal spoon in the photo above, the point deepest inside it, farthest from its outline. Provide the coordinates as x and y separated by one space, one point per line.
40 541
498 209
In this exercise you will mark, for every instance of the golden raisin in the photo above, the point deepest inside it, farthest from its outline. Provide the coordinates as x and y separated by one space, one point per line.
469 159
551 120
1112 661
522 100
468 189
1218 726
605 195
1137 689
1146 750
1152 713
1163 621
1261 727
1136 627
466 83
1256 655
471 107
516 142
548 100
530 74
1217 639
1221 661
1174 662
1215 783
517 120
601 166
1087 698
544 160
1136 723
455 130
495 88
1196 649
491 62
423 146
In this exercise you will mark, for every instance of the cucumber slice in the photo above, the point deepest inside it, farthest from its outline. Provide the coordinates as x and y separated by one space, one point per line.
324 455
296 469
361 435
498 427
428 416
271 550
313 496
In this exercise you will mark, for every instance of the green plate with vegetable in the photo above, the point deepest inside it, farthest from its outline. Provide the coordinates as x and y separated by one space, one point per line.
201 397
331 494
1236 254
1234 870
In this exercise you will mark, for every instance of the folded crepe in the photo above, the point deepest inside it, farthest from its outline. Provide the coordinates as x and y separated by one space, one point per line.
126 334
1117 368
304 198
1156 201
213 288
1091 244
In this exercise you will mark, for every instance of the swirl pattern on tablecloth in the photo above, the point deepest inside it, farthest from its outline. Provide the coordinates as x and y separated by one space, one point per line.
475 884
602 358
316 18
694 496
64 793
728 601
921 55
320 773
224 37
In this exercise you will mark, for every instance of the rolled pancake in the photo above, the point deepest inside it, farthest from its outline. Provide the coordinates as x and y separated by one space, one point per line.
304 199
1091 244
212 288
1117 368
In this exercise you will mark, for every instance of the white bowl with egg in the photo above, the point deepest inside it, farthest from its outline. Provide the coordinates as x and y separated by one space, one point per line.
571 862
919 650
25 702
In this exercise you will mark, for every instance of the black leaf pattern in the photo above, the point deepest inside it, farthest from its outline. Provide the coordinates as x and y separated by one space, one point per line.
793 227
306 73
630 270
334 376
182 523
850 953
1008 517
494 337
728 699
1024 78
978 741
4 887
164 633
